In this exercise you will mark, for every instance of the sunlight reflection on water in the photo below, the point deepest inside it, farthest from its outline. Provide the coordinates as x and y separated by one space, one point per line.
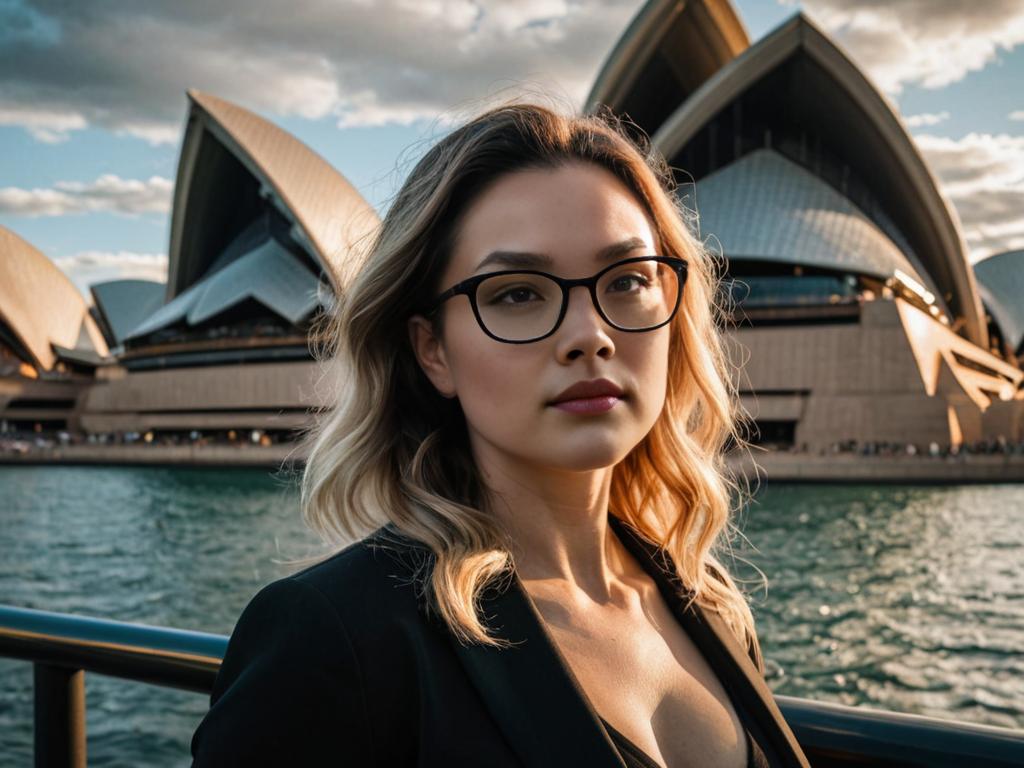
903 598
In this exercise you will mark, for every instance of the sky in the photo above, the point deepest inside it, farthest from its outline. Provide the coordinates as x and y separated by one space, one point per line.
92 96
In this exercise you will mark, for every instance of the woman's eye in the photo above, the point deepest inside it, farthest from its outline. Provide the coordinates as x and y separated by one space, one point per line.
623 283
514 296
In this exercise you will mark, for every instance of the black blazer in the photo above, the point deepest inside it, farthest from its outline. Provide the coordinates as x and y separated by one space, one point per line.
339 665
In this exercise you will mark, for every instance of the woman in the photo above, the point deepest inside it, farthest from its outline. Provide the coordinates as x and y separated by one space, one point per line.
529 434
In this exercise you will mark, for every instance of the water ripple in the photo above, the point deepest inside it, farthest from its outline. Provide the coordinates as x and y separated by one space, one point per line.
183 548
902 598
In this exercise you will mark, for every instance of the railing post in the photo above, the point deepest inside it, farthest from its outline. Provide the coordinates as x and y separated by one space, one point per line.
59 717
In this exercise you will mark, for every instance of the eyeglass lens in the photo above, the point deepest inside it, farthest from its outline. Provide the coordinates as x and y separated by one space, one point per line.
633 296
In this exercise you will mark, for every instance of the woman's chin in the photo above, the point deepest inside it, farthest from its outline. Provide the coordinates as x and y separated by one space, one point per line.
585 456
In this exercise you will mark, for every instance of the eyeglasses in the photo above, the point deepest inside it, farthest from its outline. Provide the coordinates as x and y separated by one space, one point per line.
520 306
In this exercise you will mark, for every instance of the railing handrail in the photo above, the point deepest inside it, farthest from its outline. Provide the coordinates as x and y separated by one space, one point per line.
831 733
77 626
163 656
885 737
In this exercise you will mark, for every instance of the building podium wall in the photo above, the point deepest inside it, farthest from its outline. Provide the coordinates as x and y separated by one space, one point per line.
254 395
856 381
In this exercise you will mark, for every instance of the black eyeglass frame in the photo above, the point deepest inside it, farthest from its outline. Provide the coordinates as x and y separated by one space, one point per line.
468 288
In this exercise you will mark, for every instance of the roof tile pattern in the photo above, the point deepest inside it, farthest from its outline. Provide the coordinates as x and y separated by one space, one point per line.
332 214
767 208
1001 282
268 274
126 303
40 305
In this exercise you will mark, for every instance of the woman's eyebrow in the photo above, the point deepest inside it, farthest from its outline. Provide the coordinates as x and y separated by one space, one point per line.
528 260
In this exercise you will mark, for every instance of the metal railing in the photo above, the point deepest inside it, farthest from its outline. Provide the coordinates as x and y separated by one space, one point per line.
62 647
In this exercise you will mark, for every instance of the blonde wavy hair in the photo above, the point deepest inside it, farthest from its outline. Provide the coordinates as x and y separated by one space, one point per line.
393 450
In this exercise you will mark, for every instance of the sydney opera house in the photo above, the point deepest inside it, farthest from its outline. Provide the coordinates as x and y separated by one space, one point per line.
855 312
262 231
50 344
857 315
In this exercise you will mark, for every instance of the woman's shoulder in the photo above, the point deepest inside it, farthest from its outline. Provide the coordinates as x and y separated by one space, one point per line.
381 575
386 549
309 654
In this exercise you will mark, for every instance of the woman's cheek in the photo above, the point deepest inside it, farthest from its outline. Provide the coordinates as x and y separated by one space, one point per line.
496 393
654 384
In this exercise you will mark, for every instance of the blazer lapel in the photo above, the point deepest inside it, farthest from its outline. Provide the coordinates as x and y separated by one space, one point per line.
716 641
531 691
543 711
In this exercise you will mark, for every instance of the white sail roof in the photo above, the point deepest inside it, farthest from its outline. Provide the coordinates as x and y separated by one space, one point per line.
767 208
1001 282
124 304
268 274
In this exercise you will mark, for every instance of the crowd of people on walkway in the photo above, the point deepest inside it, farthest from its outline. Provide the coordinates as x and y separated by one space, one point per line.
20 441
994 446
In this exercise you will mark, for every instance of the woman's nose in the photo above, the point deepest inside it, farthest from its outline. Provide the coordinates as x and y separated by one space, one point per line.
583 330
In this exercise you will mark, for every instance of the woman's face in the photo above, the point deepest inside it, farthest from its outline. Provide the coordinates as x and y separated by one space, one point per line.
581 218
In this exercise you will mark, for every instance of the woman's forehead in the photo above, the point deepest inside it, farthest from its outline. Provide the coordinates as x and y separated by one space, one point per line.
569 213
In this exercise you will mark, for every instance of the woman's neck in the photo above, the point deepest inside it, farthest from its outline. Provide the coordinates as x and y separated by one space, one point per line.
558 525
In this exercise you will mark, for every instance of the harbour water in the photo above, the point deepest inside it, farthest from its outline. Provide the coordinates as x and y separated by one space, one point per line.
907 598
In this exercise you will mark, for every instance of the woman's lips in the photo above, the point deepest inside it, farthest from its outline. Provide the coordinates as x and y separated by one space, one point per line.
588 405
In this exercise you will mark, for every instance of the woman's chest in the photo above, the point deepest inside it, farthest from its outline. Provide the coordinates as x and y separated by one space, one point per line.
648 679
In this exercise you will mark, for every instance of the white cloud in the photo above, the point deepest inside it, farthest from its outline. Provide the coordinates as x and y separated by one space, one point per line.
930 43
108 193
926 119
125 66
91 267
49 126
151 132
983 176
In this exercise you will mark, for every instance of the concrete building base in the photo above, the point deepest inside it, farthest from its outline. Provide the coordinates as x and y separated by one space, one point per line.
772 466
269 457
783 467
